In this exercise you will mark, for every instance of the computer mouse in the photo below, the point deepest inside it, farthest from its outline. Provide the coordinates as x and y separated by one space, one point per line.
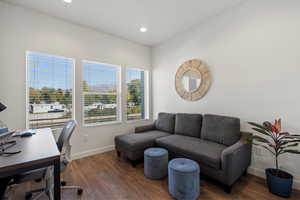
26 134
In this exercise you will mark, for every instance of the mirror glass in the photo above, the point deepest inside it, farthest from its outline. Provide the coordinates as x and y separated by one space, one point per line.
191 80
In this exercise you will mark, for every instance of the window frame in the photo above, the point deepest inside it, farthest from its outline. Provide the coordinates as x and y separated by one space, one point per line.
119 110
27 53
146 94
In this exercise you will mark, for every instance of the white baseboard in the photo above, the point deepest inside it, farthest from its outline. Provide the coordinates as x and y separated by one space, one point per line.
92 152
261 173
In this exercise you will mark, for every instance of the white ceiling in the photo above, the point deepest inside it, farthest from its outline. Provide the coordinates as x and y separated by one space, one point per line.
123 18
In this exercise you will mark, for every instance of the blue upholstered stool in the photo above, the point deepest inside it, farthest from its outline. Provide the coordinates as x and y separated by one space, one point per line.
155 163
184 179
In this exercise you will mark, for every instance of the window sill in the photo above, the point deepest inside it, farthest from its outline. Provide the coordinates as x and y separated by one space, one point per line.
115 123
136 121
102 124
54 130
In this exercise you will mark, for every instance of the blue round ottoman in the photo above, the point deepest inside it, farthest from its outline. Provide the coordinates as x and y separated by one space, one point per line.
155 163
184 179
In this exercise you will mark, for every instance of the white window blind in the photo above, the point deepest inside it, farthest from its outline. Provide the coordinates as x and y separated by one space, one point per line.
100 93
136 94
50 90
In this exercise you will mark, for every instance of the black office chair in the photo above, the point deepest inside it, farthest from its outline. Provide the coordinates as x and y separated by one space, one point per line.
64 147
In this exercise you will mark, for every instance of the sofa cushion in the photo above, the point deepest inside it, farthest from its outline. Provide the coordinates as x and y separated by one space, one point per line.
203 151
221 129
188 124
165 122
140 141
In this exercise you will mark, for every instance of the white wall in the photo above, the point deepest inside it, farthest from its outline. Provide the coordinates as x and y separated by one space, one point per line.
253 54
22 30
252 50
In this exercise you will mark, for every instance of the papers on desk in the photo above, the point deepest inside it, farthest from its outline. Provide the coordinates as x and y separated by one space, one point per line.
3 130
6 135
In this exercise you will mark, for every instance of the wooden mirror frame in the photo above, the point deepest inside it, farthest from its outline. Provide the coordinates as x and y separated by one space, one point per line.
202 68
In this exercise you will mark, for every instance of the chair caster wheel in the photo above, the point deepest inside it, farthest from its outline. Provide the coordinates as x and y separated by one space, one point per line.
80 191
28 196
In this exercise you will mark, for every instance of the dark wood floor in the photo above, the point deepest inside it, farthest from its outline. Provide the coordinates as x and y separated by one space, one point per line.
107 177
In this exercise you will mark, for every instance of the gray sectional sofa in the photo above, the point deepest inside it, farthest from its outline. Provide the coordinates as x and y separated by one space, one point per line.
214 141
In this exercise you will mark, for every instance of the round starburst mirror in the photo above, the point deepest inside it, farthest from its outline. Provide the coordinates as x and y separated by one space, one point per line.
192 80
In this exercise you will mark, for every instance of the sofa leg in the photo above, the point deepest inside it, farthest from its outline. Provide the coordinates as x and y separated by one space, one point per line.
227 188
133 163
118 153
246 172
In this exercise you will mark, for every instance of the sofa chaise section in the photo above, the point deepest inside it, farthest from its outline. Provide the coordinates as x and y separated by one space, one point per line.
132 146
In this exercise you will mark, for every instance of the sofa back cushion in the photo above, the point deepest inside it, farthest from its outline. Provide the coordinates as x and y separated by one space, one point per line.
165 122
188 124
221 129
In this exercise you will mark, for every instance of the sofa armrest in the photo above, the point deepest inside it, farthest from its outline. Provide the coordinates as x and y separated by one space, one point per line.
236 159
144 128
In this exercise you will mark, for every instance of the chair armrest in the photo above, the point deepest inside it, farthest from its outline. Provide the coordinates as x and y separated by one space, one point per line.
144 128
236 159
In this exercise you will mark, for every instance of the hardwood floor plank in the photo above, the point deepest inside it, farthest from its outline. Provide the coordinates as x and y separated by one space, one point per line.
107 177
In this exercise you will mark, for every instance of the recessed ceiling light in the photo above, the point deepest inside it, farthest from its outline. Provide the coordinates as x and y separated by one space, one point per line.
68 1
143 29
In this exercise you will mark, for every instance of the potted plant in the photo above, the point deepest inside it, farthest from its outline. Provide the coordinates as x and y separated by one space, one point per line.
278 143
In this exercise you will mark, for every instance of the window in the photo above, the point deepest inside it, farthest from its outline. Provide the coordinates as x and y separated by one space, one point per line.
49 90
100 93
136 95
